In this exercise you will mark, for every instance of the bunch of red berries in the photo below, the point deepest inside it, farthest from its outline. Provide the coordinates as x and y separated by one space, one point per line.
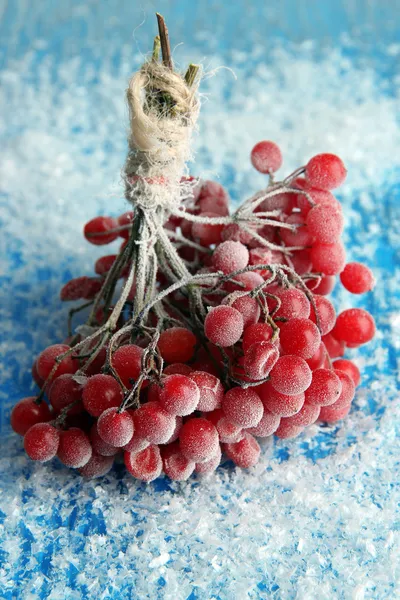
223 332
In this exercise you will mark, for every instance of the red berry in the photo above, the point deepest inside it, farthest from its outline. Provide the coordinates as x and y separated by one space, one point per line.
347 393
325 171
127 362
75 289
230 256
319 197
125 219
208 466
179 395
324 287
245 282
301 236
213 197
211 390
328 259
198 440
326 313
294 303
101 392
330 415
357 278
137 444
333 346
64 391
244 454
306 416
96 230
154 423
259 359
234 232
35 375
266 157
27 413
145 465
104 264
228 432
300 337
178 369
300 261
97 466
41 442
259 332
291 375
115 428
47 360
279 404
177 344
99 445
74 449
243 407
318 358
267 426
350 368
325 388
207 233
223 325
354 326
246 305
176 466
325 223
287 431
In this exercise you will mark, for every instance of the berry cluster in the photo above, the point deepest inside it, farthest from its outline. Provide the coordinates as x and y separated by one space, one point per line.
223 335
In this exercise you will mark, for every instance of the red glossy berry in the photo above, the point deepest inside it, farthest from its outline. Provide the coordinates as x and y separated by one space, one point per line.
127 362
267 426
279 404
41 442
318 358
115 428
27 413
177 344
74 449
243 407
198 440
350 368
153 423
75 289
245 282
266 157
324 287
354 326
145 465
300 261
325 388
259 332
347 393
137 444
326 313
223 325
328 259
104 264
47 360
293 304
300 236
306 416
212 196
176 466
65 391
35 375
260 359
244 454
329 415
234 232
210 389
230 256
101 392
208 466
123 220
99 445
287 431
291 375
333 346
357 278
97 231
179 395
207 233
97 466
325 171
300 337
177 430
247 306
228 432
325 223
319 197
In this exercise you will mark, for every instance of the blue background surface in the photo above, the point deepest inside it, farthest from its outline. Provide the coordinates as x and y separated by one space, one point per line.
45 547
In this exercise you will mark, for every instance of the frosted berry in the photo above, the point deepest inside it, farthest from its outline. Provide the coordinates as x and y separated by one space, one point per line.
178 369
115 428
176 466
208 466
47 360
325 388
41 442
291 375
243 407
329 415
324 286
267 426
74 449
198 440
347 392
212 196
27 413
328 259
145 465
333 346
177 344
354 326
179 395
99 445
259 332
127 362
246 305
279 404
63 392
260 359
245 282
293 304
325 223
325 171
207 233
326 314
230 256
357 278
287 431
300 236
306 416
300 337
104 264
153 423
97 231
97 466
177 430
136 444
223 325
350 368
101 392
244 454
210 389
266 157
318 358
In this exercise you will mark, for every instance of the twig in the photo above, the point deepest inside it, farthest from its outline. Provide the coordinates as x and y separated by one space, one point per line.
164 40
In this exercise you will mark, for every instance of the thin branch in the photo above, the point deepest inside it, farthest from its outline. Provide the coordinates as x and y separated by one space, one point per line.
164 39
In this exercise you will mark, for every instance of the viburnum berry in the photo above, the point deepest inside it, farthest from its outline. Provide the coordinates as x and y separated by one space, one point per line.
325 223
127 362
306 416
293 304
198 439
27 413
65 391
328 259
176 466
41 442
74 449
333 346
208 466
330 415
145 465
260 359
266 157
244 282
357 278
179 395
97 231
248 307
177 344
318 358
207 233
99 445
46 361
178 369
230 256
319 197
125 220
35 375
259 332
223 325
279 404
300 261
347 391
325 171
350 368
210 389
287 430
115 428
325 388
153 423
324 286
326 314
77 288
136 444
101 392
104 264
300 337
212 196
291 375
354 326
301 236
267 426
244 454
97 466
234 232
243 407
